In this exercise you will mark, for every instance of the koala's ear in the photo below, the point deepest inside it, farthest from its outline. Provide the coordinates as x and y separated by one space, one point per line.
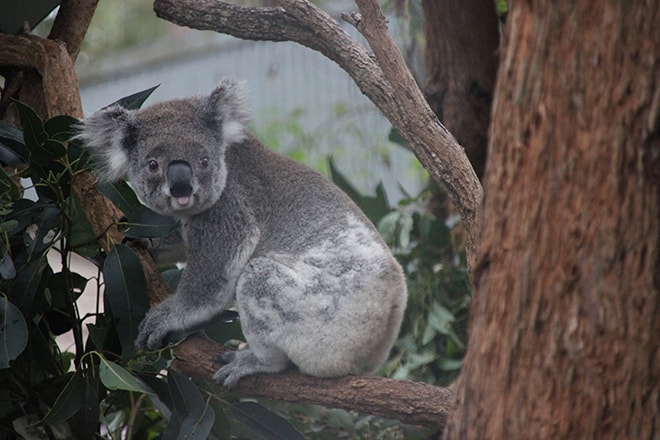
108 135
228 110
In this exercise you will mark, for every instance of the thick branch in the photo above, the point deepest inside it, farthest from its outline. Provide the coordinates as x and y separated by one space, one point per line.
410 402
388 83
71 24
58 91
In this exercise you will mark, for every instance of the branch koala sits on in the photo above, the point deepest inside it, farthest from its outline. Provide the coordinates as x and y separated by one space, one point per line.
314 283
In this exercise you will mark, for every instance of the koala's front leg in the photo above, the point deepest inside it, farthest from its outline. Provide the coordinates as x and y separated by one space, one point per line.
206 288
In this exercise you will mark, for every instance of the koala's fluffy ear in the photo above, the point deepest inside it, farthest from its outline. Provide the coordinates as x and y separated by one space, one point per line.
228 110
108 135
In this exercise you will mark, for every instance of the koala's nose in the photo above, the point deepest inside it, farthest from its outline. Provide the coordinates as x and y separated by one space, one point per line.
179 176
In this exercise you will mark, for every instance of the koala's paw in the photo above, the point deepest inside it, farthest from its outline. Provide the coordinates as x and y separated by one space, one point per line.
154 328
239 364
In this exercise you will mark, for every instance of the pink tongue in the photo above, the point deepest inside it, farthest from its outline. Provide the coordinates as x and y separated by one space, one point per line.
183 200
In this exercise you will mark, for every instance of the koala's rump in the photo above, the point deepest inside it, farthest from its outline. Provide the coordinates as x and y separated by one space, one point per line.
333 310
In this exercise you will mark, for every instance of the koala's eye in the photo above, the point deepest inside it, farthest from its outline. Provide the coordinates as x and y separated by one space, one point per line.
152 164
204 162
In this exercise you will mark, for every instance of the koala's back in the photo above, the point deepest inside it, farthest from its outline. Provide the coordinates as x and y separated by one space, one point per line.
293 202
336 295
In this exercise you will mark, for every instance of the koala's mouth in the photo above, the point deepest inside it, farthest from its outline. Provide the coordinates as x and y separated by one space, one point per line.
182 202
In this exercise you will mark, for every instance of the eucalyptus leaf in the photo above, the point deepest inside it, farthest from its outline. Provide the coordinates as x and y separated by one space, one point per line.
186 397
68 402
12 153
266 423
374 207
115 377
34 134
121 194
8 186
82 238
7 268
8 131
61 128
135 101
126 293
145 223
13 332
198 424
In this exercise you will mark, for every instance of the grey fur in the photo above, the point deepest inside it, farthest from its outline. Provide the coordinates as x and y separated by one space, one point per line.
314 283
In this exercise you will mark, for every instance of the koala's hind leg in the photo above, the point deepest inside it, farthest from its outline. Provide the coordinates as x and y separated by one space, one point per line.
245 362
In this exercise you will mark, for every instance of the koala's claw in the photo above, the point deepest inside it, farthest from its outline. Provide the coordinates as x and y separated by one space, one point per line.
227 376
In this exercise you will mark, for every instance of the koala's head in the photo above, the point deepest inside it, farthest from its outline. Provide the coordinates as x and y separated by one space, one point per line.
172 153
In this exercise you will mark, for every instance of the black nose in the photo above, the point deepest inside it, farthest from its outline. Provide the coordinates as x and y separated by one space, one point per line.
179 176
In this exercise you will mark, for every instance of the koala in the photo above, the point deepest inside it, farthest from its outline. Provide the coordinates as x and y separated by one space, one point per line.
314 284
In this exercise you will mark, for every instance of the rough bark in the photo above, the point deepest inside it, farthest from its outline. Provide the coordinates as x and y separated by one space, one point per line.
45 75
71 23
53 82
564 335
462 39
412 402
381 76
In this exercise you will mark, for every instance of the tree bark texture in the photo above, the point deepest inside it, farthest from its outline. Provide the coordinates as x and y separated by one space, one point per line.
412 402
565 325
382 76
462 39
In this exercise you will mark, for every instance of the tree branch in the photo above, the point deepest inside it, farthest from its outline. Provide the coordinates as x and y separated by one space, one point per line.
411 402
384 79
71 23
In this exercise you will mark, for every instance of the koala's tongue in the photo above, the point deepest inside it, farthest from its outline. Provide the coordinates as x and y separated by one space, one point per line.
183 201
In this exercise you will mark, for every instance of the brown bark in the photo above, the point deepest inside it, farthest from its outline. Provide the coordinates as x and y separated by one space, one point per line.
385 80
49 69
71 23
564 336
414 403
462 38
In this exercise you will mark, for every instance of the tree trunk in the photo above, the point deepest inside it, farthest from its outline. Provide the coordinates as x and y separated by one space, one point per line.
565 328
461 63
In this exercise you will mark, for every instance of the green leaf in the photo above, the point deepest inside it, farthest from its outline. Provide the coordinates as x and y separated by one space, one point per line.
135 100
82 238
374 207
115 377
126 292
61 128
145 223
449 364
7 268
198 424
34 134
68 402
12 146
8 131
8 188
264 421
13 332
142 222
121 195
186 397
30 281
47 226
